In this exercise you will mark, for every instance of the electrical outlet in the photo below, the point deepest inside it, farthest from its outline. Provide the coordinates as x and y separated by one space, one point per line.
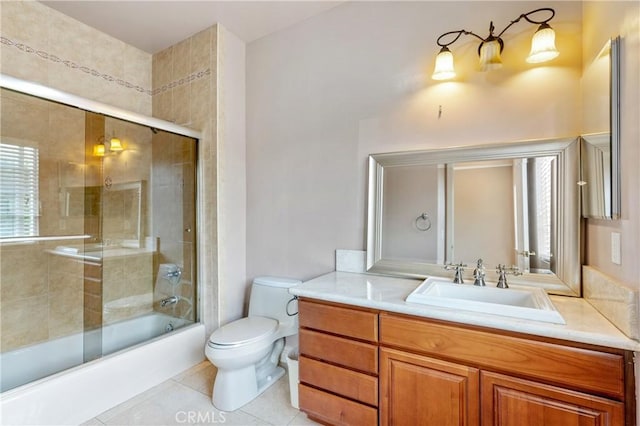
615 248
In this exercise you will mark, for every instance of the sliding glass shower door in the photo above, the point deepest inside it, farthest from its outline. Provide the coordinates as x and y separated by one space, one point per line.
97 235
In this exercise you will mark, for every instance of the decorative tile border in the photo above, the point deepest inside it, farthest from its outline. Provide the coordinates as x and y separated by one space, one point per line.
191 77
95 73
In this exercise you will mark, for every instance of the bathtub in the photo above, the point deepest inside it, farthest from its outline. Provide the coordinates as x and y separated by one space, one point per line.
83 391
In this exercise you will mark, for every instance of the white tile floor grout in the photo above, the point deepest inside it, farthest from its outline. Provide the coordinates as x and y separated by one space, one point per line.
186 400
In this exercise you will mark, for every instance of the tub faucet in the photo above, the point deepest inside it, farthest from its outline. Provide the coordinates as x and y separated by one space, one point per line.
169 301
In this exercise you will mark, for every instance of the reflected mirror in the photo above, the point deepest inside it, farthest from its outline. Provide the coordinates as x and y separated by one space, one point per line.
120 203
600 152
514 204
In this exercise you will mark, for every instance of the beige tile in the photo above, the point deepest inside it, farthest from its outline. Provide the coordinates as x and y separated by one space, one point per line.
174 406
25 323
162 105
201 50
162 68
127 405
107 54
181 60
92 422
199 378
70 41
23 65
181 105
25 22
201 103
65 312
302 420
273 405
615 300
137 67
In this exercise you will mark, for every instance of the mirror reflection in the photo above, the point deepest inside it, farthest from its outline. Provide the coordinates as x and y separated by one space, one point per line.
503 212
513 204
600 152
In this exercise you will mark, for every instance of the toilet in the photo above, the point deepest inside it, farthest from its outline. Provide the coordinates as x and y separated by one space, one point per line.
246 351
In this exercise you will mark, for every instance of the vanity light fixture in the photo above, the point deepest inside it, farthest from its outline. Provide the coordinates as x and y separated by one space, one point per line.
115 145
543 46
101 149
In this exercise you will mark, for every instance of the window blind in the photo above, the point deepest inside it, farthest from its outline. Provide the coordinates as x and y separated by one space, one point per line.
543 206
19 198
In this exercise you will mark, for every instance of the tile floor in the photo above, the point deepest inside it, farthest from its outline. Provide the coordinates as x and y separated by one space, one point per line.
186 400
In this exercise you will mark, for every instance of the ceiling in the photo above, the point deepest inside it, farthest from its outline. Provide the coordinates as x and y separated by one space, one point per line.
155 25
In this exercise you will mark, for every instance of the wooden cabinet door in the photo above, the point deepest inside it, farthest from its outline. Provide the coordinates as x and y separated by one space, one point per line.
418 390
508 401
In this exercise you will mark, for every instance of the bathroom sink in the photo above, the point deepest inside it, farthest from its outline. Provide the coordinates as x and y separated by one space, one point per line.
519 302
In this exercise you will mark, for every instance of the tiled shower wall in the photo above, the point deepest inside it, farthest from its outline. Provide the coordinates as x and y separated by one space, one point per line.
42 45
185 92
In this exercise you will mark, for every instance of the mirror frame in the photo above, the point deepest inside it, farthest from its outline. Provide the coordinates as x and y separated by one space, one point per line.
566 280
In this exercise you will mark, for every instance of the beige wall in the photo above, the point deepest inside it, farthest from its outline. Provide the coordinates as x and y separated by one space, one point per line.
409 192
483 216
232 194
603 20
355 80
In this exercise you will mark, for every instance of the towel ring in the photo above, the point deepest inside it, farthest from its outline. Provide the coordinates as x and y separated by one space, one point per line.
427 222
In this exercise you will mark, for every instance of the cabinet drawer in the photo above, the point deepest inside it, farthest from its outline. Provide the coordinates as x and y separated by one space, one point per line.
338 320
348 383
578 368
337 350
335 410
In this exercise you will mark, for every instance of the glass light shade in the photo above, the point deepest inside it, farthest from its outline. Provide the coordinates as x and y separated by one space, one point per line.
543 45
444 65
490 55
115 145
98 150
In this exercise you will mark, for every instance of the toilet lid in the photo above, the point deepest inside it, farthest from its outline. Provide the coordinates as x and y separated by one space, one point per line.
242 331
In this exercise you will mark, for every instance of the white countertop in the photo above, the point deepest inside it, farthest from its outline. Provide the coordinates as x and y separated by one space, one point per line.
584 323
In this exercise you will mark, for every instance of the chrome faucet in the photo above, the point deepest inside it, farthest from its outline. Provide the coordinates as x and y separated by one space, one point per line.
479 274
459 268
169 301
503 270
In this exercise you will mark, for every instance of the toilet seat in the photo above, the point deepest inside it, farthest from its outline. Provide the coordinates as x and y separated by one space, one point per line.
243 332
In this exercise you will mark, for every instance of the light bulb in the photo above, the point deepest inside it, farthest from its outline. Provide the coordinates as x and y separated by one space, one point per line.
543 45
444 65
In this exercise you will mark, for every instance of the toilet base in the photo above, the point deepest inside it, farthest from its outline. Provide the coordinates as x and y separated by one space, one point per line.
233 389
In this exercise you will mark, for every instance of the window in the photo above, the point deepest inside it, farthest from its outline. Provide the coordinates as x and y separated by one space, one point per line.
18 191
544 202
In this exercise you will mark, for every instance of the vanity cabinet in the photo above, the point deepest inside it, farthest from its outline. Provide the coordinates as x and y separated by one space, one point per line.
338 364
462 375
367 367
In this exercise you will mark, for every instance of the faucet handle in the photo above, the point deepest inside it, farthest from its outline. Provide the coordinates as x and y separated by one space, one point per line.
502 271
459 268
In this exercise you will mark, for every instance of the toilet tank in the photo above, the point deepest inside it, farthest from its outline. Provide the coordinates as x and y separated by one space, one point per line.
269 298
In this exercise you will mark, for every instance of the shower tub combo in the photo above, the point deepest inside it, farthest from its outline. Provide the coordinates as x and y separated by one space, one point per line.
106 302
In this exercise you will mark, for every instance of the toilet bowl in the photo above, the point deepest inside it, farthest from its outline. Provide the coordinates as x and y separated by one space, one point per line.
246 351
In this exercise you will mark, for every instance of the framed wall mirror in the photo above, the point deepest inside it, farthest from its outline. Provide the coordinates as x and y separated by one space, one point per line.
514 204
600 152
